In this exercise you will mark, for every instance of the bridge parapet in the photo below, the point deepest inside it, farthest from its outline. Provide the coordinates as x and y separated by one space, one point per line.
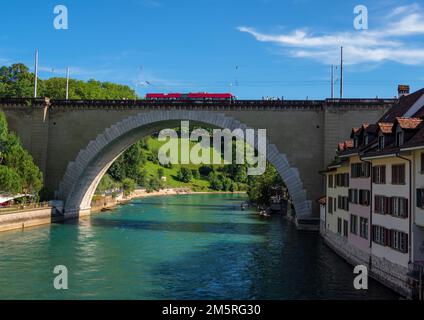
244 105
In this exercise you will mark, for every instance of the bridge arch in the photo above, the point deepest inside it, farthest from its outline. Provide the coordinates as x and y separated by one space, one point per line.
84 173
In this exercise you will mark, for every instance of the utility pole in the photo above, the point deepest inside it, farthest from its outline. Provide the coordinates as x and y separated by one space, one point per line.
341 72
67 83
36 73
332 81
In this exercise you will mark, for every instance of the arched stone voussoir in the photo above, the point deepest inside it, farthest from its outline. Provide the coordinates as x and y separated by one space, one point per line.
84 173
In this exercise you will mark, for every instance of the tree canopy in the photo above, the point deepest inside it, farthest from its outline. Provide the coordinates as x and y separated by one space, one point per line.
16 81
18 173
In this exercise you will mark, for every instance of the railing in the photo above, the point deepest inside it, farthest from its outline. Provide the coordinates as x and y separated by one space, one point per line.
23 207
245 104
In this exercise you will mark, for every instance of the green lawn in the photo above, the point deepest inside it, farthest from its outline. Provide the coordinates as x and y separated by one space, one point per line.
171 174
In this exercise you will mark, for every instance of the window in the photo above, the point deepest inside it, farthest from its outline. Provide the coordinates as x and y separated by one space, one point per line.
399 207
356 142
353 196
360 170
381 142
363 228
330 181
381 204
399 138
394 239
343 203
330 205
366 139
422 162
339 225
353 224
345 228
395 206
420 198
399 241
398 174
379 174
380 235
342 180
364 197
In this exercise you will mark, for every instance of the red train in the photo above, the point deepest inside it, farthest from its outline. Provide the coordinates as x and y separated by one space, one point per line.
200 96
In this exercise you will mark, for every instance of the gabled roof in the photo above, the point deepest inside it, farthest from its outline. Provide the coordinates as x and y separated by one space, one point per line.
404 104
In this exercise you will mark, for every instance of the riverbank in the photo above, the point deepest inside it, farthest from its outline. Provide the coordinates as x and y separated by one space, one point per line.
32 217
109 203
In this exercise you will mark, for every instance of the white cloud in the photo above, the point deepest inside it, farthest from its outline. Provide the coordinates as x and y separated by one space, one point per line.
393 41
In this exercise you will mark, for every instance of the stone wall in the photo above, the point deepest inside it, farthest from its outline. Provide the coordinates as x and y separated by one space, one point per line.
305 132
24 219
389 274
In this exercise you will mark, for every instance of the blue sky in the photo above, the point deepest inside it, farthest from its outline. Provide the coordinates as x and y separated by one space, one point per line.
252 48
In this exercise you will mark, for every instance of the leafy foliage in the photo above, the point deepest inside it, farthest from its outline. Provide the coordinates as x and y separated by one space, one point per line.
17 82
18 171
261 187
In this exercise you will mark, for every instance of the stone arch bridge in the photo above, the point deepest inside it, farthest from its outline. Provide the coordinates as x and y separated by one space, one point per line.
74 142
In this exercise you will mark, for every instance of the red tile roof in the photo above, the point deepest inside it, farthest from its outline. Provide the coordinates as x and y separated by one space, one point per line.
349 144
399 109
408 123
322 200
385 127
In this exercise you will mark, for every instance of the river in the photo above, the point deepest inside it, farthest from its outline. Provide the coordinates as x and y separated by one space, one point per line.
176 247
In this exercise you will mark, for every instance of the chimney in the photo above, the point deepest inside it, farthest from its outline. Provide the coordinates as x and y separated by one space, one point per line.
403 90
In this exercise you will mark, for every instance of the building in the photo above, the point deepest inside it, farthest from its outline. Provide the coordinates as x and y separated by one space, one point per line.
385 190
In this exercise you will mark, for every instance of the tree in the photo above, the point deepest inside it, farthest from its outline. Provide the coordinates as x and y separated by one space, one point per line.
161 173
215 181
17 82
260 188
184 175
9 180
128 185
15 158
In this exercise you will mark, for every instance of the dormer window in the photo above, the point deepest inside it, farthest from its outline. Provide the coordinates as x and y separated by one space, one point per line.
356 142
366 139
399 138
381 142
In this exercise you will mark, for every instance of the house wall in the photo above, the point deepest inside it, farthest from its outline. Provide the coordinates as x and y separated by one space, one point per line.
390 222
360 210
331 220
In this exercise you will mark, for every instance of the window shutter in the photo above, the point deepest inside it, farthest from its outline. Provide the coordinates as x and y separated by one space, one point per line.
383 174
390 202
387 234
405 236
376 204
406 209
386 205
419 190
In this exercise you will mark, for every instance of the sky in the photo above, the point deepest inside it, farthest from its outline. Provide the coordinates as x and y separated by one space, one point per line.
251 48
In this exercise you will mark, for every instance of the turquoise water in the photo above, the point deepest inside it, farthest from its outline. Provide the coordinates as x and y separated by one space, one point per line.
176 247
